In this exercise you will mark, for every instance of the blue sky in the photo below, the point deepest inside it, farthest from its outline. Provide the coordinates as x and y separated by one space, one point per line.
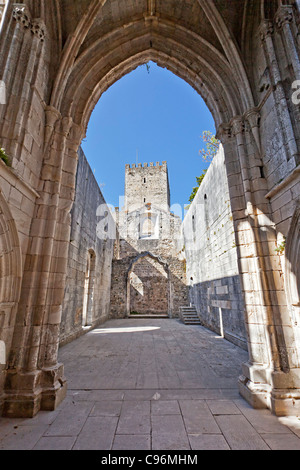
154 115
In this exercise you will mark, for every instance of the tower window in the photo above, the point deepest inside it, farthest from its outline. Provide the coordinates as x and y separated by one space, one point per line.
144 180
144 199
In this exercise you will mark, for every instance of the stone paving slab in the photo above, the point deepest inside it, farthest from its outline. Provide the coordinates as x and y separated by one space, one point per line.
173 398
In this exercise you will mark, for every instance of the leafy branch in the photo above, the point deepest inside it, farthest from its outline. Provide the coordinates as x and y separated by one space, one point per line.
4 157
212 146
280 248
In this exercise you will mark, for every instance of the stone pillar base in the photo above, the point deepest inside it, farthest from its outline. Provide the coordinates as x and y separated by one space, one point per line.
282 397
54 388
285 402
257 395
28 393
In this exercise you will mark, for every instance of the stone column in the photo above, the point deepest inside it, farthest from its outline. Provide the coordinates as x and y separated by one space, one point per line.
35 379
284 20
254 383
284 119
52 378
262 382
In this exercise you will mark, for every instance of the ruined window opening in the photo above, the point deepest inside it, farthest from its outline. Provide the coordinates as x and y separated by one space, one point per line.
148 227
194 223
88 296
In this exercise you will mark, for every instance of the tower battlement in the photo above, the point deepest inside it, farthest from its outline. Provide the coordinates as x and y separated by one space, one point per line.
147 183
145 165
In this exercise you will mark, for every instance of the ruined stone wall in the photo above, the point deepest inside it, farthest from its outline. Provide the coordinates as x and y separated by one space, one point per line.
84 241
149 287
212 266
146 227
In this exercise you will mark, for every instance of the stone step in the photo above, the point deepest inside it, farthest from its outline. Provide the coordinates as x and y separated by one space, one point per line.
189 316
148 316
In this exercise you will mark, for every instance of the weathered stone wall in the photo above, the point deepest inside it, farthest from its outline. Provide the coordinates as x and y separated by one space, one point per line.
84 242
146 184
149 287
212 267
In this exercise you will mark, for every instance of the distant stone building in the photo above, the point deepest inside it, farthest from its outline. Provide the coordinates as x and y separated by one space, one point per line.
148 274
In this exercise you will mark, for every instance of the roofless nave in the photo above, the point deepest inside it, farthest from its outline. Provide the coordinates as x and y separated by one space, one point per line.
56 60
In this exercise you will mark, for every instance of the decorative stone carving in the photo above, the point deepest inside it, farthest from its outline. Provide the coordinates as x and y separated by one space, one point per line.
284 16
21 15
38 29
266 30
238 125
224 133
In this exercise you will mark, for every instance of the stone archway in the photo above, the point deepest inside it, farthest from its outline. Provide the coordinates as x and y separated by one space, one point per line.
69 58
148 286
10 285
292 284
292 263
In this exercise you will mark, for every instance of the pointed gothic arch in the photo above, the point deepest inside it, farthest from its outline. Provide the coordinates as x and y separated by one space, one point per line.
10 285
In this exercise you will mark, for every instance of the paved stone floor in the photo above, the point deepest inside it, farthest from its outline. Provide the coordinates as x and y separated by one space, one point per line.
151 385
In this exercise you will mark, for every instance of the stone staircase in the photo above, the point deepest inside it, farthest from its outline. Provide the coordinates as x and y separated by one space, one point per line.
189 316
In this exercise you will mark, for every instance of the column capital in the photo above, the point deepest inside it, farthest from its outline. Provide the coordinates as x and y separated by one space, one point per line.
224 133
238 125
266 29
22 15
75 136
284 15
38 29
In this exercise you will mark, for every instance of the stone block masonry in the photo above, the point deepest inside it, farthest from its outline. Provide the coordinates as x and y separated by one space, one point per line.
87 292
211 255
146 184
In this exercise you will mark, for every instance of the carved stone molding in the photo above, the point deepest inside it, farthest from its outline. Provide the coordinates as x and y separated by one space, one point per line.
22 16
238 125
266 29
284 16
224 133
38 29
249 122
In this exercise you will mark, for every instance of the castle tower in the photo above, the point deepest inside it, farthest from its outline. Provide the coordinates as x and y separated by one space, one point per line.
147 185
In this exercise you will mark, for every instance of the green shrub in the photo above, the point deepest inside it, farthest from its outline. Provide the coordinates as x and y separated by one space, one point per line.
4 157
